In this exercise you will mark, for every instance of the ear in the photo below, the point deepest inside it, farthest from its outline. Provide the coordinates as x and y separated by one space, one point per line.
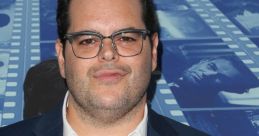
155 41
61 61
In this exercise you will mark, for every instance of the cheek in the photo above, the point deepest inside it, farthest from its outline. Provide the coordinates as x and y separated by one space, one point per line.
73 65
142 76
75 69
142 68
77 79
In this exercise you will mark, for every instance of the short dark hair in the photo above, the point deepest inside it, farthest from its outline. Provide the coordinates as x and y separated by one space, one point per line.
148 15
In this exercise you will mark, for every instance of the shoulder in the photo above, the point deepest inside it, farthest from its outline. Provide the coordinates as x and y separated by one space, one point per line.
24 127
166 126
47 124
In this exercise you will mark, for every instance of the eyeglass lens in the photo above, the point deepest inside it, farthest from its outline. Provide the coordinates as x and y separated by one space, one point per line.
89 45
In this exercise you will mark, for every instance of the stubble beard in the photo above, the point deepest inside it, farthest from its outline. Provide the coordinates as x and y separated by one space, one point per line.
91 108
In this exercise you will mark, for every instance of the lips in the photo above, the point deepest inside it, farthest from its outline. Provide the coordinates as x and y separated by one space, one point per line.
193 77
109 75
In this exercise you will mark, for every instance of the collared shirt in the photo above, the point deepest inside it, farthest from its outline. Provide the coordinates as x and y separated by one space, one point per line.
140 130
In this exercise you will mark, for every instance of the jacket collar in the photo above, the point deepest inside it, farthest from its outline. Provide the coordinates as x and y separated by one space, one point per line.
159 125
50 124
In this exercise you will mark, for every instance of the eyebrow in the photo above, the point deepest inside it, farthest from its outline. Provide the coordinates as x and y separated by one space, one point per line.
127 28
93 30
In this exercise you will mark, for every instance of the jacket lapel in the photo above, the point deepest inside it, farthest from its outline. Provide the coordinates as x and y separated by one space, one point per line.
50 124
159 125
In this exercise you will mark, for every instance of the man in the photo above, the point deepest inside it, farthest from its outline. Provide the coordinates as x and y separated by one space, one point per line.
106 52
204 81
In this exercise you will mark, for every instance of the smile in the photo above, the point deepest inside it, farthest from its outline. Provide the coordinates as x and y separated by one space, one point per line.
110 75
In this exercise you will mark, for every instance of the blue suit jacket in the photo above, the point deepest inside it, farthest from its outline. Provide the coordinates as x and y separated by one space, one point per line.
51 124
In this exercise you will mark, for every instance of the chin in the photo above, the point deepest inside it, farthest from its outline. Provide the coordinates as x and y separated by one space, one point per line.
110 101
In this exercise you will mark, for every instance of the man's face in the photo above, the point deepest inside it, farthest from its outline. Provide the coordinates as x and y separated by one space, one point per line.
108 81
217 73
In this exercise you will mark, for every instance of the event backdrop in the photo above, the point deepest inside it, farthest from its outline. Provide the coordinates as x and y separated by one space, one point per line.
209 67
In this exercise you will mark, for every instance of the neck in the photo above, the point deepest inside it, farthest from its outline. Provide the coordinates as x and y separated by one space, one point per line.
84 124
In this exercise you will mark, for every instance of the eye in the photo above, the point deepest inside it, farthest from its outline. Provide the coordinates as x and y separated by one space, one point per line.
127 39
212 66
87 42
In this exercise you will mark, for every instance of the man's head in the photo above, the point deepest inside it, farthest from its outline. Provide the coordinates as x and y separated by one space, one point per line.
106 85
222 73
147 13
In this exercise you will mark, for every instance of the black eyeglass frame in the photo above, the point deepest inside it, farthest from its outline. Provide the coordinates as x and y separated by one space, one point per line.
70 37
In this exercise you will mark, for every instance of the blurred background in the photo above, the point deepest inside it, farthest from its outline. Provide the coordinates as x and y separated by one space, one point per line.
209 66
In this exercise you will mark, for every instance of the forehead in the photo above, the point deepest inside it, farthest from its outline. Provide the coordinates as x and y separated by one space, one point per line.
225 67
222 63
107 14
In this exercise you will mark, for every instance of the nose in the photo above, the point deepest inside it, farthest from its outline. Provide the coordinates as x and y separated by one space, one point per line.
107 51
209 73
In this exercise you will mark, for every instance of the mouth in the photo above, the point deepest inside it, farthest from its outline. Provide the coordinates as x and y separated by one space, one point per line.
109 75
193 77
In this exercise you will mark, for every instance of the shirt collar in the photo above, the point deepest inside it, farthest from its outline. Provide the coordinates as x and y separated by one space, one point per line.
140 130
68 130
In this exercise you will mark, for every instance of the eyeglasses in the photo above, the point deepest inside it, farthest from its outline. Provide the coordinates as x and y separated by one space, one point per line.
88 44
